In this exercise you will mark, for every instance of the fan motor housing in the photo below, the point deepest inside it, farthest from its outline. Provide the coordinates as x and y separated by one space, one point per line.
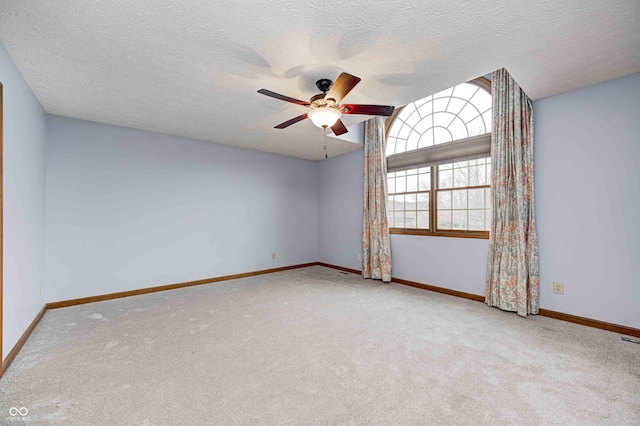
320 101
319 97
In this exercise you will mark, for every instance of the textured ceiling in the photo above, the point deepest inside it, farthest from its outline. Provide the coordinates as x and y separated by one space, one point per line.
192 68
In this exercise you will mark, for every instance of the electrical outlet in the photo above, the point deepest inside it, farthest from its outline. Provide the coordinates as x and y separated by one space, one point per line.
39 289
273 255
558 288
359 256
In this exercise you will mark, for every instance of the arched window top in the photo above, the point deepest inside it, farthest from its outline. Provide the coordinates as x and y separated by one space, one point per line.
457 113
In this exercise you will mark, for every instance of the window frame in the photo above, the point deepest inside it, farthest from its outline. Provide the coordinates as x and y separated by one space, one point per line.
433 230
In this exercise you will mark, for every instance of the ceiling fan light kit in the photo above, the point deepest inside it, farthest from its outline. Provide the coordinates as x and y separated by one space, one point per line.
324 116
325 108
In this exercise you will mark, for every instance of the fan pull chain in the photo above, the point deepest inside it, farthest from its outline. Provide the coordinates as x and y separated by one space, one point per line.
324 129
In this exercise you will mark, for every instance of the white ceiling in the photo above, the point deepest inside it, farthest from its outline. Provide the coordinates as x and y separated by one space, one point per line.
192 68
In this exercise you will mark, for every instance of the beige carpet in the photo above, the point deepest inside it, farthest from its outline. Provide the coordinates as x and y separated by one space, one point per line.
315 346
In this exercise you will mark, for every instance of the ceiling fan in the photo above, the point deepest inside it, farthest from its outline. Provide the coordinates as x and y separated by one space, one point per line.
325 108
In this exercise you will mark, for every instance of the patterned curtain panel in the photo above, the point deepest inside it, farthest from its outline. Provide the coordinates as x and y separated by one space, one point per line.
376 246
512 276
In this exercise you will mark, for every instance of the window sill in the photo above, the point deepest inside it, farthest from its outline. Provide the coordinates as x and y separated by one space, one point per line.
484 235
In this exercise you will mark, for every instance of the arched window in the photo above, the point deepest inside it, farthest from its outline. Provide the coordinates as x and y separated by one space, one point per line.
438 155
453 114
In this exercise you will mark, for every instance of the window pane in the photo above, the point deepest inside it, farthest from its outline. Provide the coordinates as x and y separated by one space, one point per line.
426 108
413 118
426 139
398 202
410 202
488 120
459 199
476 199
444 200
412 141
424 182
395 128
476 220
410 219
444 219
390 203
482 100
440 104
456 105
423 101
445 179
477 175
423 201
399 219
404 131
468 113
423 125
412 183
441 135
458 129
401 145
401 184
461 177
476 127
391 186
407 111
459 219
391 146
423 220
487 220
445 166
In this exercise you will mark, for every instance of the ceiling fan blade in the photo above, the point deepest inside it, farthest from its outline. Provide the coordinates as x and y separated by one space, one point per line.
338 128
282 97
342 86
384 110
290 122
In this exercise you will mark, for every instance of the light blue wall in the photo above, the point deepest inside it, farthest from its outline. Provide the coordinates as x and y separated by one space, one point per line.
453 263
340 219
24 203
587 154
128 209
588 200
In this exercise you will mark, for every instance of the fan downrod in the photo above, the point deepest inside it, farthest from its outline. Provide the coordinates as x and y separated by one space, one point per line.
324 84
